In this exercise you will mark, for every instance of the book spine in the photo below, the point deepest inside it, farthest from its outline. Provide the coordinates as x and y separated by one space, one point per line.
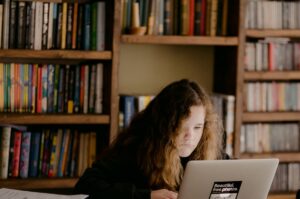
86 89
55 25
77 90
38 26
13 24
79 41
21 25
71 91
101 26
32 25
92 89
1 23
99 88
24 158
93 28
50 98
59 26
6 20
34 88
87 27
41 153
74 25
17 153
34 154
60 101
66 87
64 25
69 26
5 141
56 87
44 88
50 26
82 84
28 24
45 25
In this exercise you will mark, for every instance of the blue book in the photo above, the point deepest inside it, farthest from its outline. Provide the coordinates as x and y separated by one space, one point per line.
25 151
127 107
87 27
34 154
77 89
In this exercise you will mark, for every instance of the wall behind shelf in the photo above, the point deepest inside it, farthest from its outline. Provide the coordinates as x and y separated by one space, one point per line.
145 69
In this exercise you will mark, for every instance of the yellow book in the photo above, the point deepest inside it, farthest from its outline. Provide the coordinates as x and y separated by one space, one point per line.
64 25
1 87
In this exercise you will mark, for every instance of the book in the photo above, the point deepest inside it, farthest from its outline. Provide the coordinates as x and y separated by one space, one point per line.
5 141
24 156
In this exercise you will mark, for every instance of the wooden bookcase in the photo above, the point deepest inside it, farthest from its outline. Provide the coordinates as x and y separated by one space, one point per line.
107 121
230 76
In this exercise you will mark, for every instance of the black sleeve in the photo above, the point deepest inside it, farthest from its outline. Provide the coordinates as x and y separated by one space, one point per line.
112 180
93 184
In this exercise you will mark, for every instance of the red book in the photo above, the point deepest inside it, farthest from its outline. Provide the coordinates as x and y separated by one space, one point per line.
191 17
16 157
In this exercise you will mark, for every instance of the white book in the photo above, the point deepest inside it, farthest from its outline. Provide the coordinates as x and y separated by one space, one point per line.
100 26
50 26
5 140
6 24
99 88
38 25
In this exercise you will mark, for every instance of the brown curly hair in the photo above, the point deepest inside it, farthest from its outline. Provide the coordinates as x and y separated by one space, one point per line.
153 133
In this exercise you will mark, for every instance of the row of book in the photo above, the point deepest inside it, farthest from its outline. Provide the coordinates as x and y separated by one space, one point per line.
272 54
272 96
42 88
176 17
45 153
270 137
42 25
287 178
264 14
225 108
130 105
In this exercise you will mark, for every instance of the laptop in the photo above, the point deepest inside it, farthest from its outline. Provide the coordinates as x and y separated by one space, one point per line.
228 179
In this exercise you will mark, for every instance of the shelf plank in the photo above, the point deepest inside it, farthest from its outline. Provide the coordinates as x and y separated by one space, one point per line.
272 75
56 54
282 196
53 119
39 183
270 116
180 40
272 33
283 157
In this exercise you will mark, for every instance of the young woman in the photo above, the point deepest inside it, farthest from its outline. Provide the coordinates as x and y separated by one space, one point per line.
147 160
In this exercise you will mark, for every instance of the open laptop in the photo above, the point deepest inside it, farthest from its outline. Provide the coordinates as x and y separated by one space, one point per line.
228 179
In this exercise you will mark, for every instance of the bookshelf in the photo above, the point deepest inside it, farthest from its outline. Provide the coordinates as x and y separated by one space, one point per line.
254 32
230 77
104 123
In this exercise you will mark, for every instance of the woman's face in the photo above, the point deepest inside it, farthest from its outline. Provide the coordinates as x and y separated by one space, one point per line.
190 131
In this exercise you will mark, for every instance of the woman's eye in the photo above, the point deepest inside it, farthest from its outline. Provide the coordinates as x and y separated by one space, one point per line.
198 127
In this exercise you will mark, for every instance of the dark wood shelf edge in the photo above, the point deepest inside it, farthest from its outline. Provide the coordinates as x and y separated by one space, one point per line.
55 54
39 183
257 33
53 119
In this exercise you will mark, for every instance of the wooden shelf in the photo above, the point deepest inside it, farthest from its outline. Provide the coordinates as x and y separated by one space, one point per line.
282 196
53 119
283 157
180 40
39 183
272 33
56 54
270 116
272 75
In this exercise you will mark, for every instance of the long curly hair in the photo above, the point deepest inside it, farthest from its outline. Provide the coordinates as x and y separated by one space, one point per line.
153 132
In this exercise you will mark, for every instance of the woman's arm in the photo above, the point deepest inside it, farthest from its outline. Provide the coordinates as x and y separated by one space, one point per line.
94 184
